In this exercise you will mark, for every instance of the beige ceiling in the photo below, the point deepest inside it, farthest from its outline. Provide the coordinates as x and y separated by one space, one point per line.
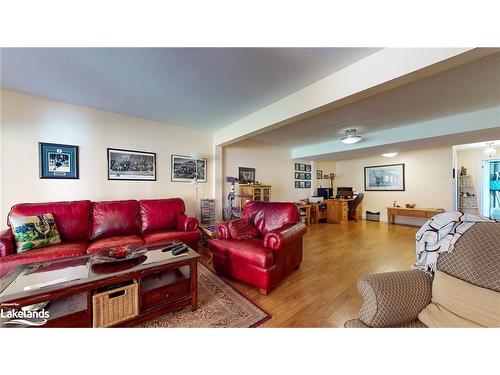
470 87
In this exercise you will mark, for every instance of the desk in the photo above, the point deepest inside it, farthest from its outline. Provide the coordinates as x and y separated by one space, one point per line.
425 213
336 210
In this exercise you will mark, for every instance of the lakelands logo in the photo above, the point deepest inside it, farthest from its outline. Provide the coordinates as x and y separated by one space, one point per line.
21 317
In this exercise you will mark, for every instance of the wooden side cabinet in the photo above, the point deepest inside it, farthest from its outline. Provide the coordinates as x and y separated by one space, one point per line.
255 193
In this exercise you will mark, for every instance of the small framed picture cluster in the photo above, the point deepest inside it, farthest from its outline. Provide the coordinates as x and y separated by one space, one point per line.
302 176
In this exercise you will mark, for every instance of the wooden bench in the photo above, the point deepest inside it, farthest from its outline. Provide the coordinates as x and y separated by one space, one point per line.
425 213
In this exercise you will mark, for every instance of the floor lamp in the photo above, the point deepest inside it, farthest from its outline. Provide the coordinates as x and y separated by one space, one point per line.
194 182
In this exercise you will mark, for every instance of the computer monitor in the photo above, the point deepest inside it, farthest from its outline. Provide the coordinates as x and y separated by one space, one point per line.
326 193
344 192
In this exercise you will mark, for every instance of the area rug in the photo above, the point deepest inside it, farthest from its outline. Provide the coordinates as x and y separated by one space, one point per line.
219 306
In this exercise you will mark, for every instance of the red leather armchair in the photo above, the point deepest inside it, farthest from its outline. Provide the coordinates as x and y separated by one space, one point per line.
88 227
263 261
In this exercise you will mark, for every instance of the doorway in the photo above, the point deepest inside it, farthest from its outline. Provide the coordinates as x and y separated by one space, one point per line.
490 197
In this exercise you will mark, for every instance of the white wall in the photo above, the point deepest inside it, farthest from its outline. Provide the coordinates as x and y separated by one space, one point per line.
27 120
428 175
273 166
327 167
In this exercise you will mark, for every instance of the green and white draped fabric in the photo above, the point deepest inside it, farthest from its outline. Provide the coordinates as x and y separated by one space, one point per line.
439 234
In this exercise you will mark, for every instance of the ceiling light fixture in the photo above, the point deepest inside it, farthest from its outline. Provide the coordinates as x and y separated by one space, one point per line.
351 137
389 154
490 149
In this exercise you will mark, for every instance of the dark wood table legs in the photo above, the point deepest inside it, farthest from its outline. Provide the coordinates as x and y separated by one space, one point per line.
193 269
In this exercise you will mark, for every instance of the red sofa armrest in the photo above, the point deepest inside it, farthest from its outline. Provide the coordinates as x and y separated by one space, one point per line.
278 238
187 223
7 243
223 231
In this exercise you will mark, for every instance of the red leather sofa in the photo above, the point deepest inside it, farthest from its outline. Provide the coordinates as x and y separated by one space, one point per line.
266 260
87 227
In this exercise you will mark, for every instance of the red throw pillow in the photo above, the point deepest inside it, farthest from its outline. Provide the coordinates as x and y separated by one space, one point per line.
243 229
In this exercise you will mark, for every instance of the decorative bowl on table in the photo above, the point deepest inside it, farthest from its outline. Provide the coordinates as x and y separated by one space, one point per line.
101 268
410 205
118 254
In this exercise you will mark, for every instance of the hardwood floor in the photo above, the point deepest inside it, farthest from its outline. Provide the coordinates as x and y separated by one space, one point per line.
322 292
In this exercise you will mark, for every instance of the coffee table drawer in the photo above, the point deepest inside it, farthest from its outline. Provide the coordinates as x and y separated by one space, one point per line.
164 295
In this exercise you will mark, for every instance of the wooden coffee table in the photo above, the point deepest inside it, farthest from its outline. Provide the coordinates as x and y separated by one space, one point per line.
163 283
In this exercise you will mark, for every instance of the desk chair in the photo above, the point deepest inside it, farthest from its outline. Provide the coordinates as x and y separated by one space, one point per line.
353 205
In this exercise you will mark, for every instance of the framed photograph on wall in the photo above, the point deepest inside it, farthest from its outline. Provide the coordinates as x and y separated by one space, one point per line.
130 165
308 184
297 166
308 167
297 184
201 170
319 174
58 161
302 167
185 169
246 175
308 176
302 184
297 175
389 177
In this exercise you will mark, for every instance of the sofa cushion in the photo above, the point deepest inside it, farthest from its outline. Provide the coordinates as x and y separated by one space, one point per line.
173 235
269 216
72 218
436 316
115 218
157 214
475 257
243 229
249 252
62 250
36 231
457 303
108 242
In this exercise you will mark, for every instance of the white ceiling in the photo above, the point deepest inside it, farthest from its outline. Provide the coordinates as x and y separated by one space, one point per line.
477 145
470 87
201 88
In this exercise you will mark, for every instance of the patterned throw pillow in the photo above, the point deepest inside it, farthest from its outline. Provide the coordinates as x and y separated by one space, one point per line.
243 229
34 231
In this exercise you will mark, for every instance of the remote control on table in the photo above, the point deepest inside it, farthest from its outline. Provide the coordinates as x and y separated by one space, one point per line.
172 247
180 250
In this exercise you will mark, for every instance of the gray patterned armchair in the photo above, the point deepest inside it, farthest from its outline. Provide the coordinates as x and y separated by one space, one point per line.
395 299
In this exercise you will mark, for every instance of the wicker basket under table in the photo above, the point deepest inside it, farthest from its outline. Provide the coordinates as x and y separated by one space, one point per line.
115 306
